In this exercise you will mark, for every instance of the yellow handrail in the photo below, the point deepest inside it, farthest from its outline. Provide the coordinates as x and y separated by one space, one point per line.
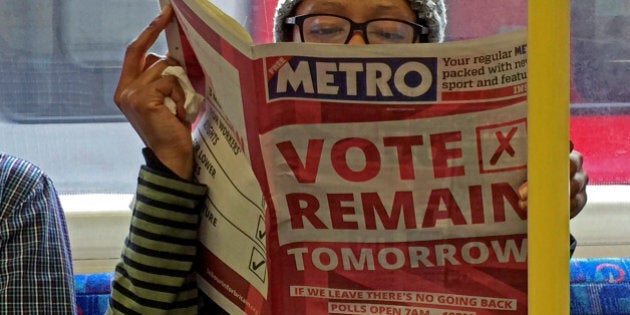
548 166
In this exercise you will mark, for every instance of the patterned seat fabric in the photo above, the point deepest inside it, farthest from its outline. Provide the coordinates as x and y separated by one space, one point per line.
598 286
92 292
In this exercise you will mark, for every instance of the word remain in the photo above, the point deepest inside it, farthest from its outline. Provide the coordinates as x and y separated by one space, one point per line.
366 211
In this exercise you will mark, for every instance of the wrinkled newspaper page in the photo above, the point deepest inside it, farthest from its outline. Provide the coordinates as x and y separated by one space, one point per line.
361 180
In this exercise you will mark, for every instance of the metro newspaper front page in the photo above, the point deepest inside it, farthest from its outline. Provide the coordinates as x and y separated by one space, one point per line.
379 179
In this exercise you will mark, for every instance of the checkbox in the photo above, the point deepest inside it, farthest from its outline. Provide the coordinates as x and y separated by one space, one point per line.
502 147
258 264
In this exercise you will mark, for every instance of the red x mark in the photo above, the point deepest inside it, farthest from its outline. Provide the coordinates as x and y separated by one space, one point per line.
504 145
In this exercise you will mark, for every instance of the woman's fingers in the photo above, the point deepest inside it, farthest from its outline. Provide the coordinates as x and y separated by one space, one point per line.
134 62
579 181
522 195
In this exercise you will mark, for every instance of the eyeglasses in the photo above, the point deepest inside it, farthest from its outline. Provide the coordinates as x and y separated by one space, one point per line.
334 29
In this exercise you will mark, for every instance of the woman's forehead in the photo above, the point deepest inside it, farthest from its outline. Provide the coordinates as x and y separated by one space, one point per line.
390 8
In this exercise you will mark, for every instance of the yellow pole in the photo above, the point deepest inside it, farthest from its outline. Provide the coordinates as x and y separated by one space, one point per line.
548 148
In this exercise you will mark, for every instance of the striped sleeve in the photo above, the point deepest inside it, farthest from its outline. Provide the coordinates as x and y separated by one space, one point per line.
155 272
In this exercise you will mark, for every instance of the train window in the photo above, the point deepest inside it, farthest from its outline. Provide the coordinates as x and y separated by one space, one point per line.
60 59
59 64
600 123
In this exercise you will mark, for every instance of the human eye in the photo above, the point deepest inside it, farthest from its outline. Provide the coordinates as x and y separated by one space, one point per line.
327 29
387 35
389 32
323 30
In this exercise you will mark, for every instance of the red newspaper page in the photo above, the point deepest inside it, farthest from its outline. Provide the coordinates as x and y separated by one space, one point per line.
360 180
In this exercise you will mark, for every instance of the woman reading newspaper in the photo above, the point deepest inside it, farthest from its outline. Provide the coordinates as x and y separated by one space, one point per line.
156 272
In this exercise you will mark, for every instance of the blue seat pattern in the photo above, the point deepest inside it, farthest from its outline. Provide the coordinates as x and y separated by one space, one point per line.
599 286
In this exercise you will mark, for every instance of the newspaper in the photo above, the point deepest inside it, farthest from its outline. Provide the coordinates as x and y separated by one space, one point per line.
379 179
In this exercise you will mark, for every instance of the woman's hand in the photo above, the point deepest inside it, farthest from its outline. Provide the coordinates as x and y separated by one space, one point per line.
140 96
578 179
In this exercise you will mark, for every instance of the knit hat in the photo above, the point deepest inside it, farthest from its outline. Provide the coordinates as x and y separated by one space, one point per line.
433 12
